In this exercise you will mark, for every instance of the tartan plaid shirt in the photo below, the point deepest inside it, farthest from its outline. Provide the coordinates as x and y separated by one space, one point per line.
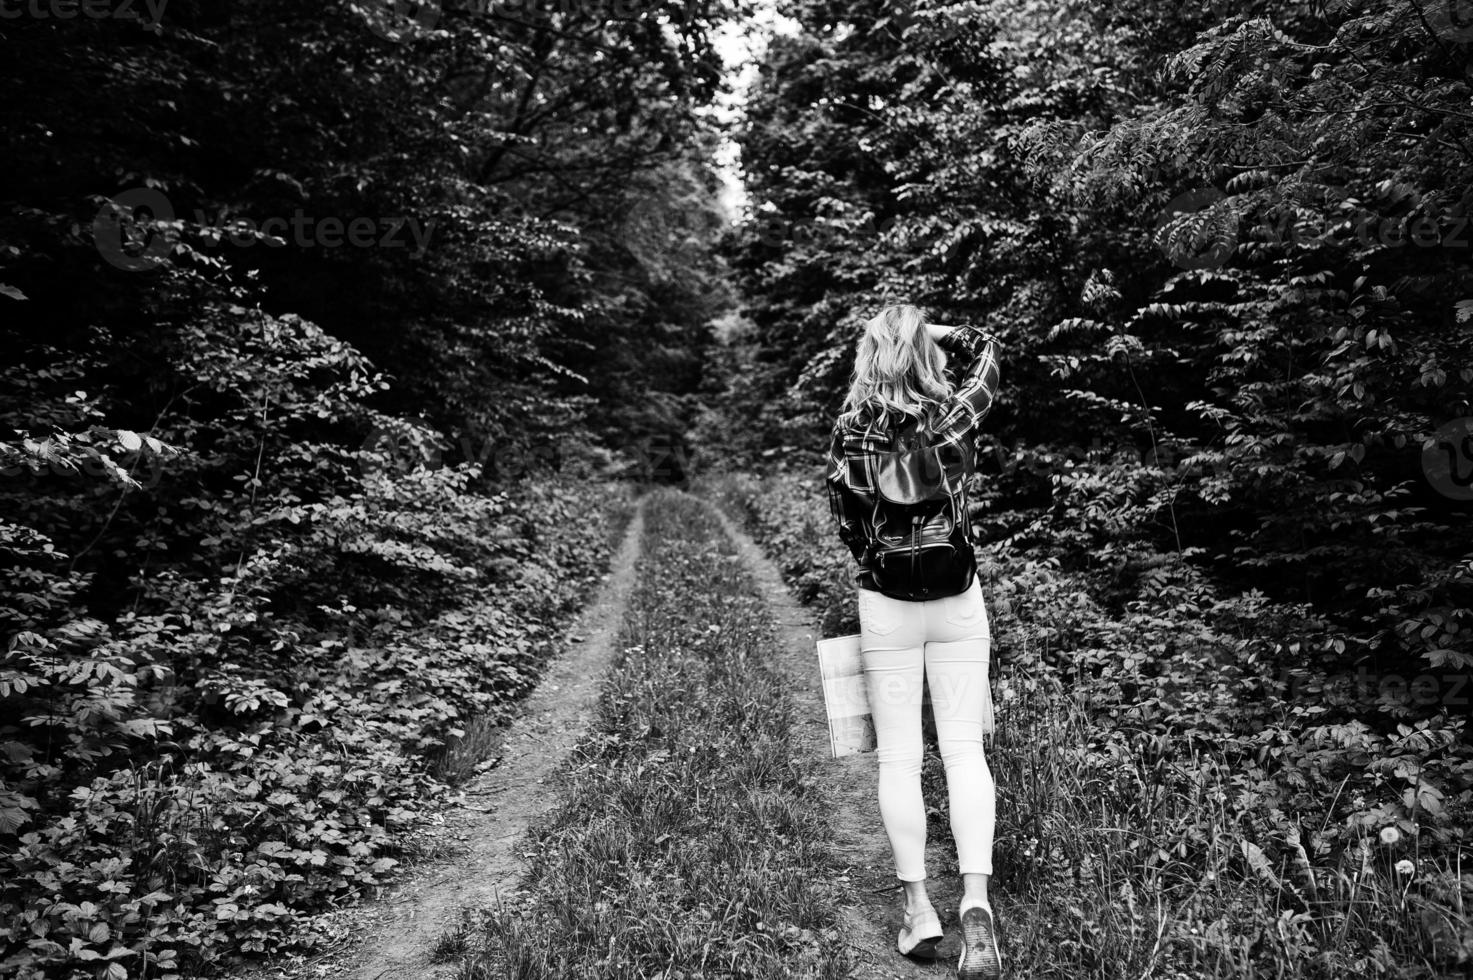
850 474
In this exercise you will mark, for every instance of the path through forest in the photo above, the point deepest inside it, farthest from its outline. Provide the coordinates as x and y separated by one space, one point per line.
395 935
481 863
501 803
872 918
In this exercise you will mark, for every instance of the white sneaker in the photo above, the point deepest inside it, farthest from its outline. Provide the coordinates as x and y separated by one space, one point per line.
980 959
919 933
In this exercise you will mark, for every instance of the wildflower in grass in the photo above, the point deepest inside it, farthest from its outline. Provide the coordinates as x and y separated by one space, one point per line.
1405 867
1390 835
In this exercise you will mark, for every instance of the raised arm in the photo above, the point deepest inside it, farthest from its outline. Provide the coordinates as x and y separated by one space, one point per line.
965 340
972 399
938 330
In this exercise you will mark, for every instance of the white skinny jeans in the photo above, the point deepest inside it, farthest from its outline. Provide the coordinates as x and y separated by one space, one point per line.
947 642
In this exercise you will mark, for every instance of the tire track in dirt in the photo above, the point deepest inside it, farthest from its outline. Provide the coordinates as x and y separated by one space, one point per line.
872 917
486 833
502 802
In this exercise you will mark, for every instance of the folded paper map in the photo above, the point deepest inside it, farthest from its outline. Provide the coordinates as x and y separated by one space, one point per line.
845 698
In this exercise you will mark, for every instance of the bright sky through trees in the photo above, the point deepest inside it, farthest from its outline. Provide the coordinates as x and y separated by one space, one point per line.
741 47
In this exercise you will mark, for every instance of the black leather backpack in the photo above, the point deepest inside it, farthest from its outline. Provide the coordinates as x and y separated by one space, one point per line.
920 538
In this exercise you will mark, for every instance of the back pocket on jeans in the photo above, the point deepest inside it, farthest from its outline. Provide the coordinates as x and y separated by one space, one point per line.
967 609
876 615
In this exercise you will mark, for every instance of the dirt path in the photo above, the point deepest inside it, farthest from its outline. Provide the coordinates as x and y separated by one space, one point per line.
872 918
390 939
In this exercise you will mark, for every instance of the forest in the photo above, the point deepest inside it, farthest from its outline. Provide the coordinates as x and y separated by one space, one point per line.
341 340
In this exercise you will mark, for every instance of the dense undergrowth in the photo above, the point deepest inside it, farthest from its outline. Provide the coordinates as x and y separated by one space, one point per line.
688 840
195 776
325 332
1193 226
1174 802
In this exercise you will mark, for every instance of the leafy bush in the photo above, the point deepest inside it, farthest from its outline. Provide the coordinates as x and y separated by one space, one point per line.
1188 746
251 593
1247 296
167 810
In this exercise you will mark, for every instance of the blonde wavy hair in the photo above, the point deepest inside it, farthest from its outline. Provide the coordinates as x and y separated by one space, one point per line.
898 369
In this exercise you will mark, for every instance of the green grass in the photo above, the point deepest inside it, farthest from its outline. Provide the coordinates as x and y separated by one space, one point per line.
463 755
1165 866
1163 810
688 841
453 943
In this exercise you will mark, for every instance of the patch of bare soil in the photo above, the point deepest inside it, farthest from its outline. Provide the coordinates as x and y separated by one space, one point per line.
872 916
477 860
